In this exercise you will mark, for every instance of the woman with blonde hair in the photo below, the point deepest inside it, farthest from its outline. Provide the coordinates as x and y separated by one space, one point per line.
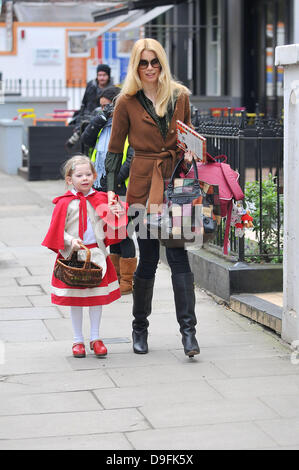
146 111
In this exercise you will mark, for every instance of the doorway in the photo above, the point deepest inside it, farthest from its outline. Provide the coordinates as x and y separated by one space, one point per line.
266 25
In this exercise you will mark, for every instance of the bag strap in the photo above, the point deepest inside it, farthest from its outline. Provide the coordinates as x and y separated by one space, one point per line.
215 159
179 163
227 228
232 183
170 186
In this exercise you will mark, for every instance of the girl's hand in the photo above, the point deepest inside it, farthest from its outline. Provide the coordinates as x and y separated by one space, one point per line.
116 209
189 155
76 244
113 204
111 198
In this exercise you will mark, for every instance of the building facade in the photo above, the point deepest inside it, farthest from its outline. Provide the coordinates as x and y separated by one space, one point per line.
224 49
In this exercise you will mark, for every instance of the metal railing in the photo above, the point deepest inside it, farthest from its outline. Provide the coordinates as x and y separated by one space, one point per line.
253 145
72 89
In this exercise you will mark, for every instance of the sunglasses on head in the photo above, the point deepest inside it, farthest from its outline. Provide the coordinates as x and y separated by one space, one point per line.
143 64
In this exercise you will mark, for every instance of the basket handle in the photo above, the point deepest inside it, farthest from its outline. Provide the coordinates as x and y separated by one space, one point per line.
88 254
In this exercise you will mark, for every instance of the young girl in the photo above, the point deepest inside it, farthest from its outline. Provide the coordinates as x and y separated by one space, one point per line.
96 135
79 217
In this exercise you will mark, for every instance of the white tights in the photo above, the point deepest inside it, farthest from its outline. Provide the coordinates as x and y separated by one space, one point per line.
95 315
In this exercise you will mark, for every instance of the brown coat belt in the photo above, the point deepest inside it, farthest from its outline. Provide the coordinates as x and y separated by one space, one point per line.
157 185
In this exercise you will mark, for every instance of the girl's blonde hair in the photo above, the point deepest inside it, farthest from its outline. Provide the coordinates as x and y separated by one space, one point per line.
70 165
167 86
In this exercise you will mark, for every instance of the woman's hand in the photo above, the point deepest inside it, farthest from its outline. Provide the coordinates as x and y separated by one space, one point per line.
189 155
76 244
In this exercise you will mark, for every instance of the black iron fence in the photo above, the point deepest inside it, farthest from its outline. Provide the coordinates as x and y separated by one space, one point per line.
253 145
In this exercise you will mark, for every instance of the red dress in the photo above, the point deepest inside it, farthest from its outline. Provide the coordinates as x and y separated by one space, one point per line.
108 289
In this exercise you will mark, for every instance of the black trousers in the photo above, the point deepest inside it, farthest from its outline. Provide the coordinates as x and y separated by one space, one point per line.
149 250
149 255
126 248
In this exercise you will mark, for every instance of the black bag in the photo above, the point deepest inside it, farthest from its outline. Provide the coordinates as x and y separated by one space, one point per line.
190 212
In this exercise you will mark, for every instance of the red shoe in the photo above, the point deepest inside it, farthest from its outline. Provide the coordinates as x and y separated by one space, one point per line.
79 350
99 348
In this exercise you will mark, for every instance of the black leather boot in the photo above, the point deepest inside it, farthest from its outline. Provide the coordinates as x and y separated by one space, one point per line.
184 298
142 307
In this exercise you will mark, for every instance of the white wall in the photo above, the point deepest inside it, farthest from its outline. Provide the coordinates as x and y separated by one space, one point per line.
288 57
296 21
22 64
2 39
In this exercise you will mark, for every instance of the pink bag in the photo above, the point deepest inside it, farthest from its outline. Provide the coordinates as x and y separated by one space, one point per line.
222 175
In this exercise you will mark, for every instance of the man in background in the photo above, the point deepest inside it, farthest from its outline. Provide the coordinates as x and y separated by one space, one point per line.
90 101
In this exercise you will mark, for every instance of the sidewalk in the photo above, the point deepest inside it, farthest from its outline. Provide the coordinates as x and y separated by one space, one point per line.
242 392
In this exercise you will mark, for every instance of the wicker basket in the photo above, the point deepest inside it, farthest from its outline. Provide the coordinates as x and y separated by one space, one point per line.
77 273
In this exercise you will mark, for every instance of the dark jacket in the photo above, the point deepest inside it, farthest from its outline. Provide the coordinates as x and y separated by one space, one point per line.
91 96
89 138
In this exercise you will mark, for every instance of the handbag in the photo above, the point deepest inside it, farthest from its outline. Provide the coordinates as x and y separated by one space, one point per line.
190 211
219 172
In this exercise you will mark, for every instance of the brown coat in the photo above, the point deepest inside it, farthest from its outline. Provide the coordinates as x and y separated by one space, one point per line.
154 157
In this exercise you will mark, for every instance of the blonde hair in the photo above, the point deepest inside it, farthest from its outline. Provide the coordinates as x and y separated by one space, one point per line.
167 86
70 165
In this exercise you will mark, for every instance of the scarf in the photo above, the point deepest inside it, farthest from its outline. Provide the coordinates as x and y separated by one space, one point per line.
102 148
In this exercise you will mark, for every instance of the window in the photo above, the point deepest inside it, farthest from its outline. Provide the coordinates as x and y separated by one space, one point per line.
213 48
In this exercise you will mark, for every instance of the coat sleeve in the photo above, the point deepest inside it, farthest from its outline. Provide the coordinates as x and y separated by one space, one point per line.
187 118
90 134
125 168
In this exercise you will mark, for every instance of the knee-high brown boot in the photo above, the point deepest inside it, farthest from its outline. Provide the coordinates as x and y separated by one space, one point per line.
127 269
115 261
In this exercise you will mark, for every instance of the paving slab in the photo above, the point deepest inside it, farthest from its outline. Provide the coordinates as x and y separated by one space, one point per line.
240 351
24 330
68 424
137 396
24 364
15 291
40 300
33 280
256 386
63 381
285 432
128 376
30 313
19 301
115 441
208 412
287 406
49 403
224 436
262 367
41 270
12 272
8 282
